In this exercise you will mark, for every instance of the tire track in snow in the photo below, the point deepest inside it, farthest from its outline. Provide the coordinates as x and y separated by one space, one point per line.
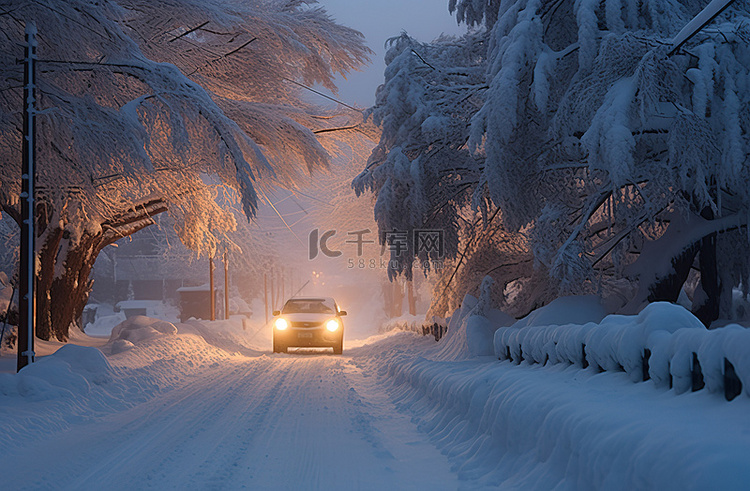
298 421
142 438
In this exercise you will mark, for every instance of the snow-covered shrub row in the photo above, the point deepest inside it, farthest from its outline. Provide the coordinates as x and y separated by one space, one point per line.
618 343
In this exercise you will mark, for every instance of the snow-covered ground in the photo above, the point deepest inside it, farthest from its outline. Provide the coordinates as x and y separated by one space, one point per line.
206 405
176 412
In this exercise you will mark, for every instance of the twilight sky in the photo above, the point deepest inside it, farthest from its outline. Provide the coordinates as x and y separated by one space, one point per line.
379 20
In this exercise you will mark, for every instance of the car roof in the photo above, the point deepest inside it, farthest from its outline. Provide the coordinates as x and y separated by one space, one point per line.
312 299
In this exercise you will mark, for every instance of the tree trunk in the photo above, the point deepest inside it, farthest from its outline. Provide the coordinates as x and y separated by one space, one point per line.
63 283
667 288
44 279
708 310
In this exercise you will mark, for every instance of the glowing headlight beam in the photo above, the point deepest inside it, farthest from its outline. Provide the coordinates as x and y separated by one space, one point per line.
281 324
332 325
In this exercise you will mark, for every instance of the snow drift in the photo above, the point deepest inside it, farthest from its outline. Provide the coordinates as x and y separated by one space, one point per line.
560 427
70 372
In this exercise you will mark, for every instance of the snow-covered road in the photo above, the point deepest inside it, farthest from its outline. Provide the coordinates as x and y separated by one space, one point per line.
397 410
297 421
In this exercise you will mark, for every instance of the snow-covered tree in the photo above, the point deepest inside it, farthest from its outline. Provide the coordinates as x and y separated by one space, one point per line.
614 136
421 170
603 138
146 103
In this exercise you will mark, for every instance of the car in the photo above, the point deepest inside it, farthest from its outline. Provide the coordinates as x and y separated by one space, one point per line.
309 322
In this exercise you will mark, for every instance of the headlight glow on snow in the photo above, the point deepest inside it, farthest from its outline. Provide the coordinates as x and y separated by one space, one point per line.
281 324
332 325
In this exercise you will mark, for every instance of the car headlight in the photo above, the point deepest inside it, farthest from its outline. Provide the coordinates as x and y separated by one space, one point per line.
281 324
332 325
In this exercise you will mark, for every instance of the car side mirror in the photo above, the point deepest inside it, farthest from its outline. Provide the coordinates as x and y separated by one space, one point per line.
276 312
342 313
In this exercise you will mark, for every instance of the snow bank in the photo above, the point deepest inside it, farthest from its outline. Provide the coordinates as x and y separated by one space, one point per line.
454 345
139 328
70 372
560 427
229 335
103 325
472 328
565 310
147 357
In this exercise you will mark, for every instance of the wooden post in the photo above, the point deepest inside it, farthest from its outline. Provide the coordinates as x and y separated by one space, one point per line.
697 382
273 290
265 294
412 299
226 287
398 298
732 383
27 267
277 292
212 300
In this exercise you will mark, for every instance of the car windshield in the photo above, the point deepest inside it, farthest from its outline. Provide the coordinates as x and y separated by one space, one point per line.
308 305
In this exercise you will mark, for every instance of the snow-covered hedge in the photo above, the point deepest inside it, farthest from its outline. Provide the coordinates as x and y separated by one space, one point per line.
663 342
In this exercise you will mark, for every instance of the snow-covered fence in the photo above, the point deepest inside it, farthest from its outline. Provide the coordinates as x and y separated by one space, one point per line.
665 343
435 327
403 323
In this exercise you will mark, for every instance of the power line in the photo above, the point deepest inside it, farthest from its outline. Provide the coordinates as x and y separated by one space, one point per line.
324 95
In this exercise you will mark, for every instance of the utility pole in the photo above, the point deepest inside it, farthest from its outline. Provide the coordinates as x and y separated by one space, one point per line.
265 294
273 289
212 300
226 287
26 298
412 299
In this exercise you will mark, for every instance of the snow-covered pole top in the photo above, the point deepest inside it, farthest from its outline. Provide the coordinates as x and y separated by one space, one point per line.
30 32
709 13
